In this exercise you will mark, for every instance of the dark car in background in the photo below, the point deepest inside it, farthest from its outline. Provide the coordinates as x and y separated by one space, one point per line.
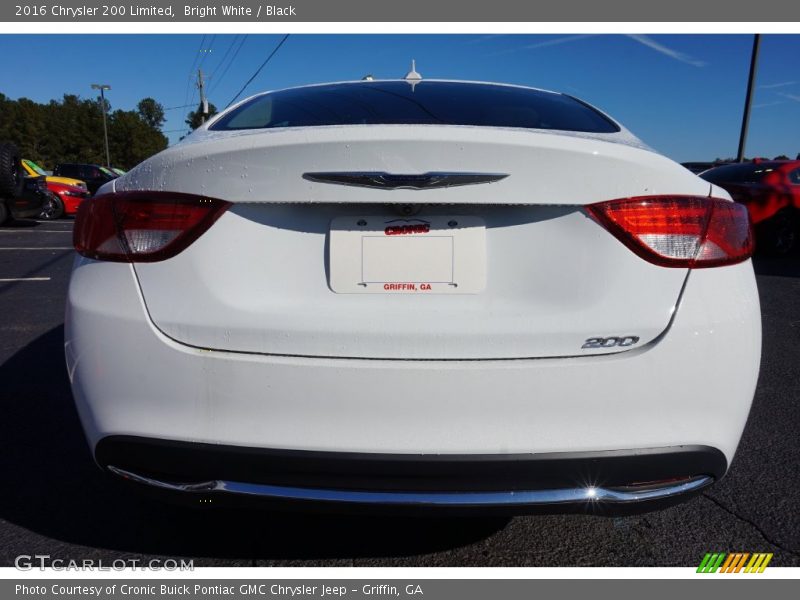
28 203
698 167
771 192
94 175
20 197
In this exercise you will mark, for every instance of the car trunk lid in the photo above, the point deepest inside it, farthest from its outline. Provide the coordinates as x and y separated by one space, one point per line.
541 278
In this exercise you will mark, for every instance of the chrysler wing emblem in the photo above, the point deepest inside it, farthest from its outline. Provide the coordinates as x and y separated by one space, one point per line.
390 181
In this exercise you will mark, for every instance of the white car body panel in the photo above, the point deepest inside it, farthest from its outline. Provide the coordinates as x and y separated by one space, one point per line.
568 279
693 386
545 167
229 291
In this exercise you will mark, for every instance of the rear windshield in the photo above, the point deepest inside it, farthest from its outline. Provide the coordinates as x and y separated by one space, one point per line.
739 173
417 103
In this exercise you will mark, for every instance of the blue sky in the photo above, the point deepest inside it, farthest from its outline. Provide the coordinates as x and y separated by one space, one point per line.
682 94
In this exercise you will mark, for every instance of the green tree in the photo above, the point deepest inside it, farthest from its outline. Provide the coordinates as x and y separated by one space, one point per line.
71 130
151 112
131 139
194 118
77 128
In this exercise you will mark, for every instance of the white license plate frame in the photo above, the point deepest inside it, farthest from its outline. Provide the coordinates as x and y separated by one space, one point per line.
383 254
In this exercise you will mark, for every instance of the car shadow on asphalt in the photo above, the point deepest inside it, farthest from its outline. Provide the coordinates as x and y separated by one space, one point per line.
20 224
778 266
52 487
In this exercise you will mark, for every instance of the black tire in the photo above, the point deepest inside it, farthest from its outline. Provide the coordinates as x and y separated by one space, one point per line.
3 211
12 177
53 207
778 235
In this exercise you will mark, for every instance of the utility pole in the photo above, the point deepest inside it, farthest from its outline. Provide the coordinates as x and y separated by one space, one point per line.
749 98
103 87
201 85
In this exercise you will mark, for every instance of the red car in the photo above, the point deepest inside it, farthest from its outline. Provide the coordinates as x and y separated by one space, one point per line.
65 201
771 192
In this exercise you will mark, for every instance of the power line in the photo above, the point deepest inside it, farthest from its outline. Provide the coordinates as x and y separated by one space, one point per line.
194 93
249 81
207 51
217 80
227 52
197 54
191 69
201 85
204 54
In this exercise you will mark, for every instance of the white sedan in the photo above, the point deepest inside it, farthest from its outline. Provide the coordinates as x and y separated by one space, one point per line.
414 294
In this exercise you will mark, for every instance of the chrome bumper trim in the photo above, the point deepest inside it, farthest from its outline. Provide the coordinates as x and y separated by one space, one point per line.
455 499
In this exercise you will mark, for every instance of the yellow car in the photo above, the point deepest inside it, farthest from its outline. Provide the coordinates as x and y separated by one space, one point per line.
34 170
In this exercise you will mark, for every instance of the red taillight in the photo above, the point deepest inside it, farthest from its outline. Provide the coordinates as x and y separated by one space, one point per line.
142 226
679 231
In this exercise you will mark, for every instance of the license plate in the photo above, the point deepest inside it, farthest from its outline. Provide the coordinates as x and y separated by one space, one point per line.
399 255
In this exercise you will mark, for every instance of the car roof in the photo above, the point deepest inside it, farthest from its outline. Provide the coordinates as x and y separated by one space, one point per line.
622 136
367 82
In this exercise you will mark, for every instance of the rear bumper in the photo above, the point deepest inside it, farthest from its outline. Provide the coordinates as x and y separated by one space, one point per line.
610 481
691 387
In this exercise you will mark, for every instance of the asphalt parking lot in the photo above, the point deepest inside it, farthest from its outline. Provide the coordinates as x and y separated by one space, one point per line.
54 501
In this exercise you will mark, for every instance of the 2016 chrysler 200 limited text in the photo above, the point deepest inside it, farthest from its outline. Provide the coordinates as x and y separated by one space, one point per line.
414 293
